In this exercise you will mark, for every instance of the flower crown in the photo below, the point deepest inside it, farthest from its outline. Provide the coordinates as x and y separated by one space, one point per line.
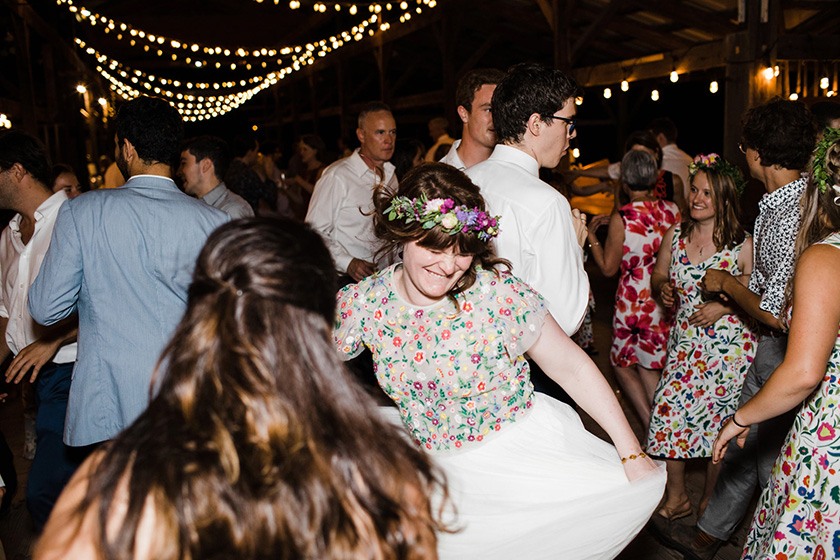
444 213
713 162
819 174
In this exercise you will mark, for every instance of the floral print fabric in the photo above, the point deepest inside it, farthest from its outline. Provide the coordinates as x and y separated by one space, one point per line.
798 515
640 326
457 376
705 367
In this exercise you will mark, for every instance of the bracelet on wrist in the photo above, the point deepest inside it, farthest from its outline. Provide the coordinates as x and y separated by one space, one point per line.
633 457
735 421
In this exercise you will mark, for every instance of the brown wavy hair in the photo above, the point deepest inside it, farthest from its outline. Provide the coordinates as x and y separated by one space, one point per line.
258 443
820 214
728 231
436 180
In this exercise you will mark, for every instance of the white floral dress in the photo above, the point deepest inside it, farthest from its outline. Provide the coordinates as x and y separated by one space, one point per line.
521 468
705 366
798 514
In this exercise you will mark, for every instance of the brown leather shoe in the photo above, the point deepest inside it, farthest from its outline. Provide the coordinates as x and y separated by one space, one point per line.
693 543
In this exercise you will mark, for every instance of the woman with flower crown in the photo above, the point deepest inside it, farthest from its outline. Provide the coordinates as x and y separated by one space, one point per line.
710 347
448 328
798 514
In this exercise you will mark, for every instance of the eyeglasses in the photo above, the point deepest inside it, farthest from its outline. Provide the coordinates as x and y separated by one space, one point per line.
571 122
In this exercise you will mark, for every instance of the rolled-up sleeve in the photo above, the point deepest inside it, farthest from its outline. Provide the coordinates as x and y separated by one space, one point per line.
55 292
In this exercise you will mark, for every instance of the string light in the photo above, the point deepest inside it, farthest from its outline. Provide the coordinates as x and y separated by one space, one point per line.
4 121
654 95
713 86
576 153
794 96
607 93
824 82
198 55
625 85
675 77
579 101
81 88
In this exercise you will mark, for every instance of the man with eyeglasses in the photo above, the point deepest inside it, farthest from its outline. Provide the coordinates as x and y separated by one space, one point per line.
533 111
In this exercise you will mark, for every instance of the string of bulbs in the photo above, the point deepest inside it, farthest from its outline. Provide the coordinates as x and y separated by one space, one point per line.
130 83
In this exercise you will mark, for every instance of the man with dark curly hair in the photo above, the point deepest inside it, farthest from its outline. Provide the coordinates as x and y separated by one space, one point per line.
777 141
123 258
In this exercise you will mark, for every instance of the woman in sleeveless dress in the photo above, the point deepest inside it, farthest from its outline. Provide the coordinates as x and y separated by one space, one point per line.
710 347
798 514
640 324
448 328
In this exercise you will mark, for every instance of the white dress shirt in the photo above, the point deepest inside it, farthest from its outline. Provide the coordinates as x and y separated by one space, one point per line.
452 158
676 161
19 265
535 232
341 209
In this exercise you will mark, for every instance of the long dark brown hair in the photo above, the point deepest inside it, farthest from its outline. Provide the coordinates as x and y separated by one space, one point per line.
728 231
258 443
430 181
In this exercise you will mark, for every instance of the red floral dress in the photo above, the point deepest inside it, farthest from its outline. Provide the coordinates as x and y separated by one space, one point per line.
640 325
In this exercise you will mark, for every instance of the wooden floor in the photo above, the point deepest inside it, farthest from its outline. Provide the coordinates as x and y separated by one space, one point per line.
17 535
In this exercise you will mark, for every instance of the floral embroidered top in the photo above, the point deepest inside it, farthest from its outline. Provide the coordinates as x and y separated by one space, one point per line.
456 376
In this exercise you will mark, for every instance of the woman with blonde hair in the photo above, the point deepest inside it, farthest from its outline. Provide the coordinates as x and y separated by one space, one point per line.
257 443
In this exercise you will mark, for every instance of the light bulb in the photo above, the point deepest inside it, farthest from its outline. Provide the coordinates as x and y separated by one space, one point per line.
674 76
768 73
607 93
654 95
625 85
713 87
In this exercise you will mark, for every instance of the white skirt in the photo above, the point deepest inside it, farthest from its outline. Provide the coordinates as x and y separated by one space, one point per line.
544 487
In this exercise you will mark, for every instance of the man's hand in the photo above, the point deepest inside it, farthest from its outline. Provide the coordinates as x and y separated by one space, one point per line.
32 357
715 280
359 269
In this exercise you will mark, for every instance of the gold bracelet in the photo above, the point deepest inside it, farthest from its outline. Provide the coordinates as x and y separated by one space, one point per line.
634 456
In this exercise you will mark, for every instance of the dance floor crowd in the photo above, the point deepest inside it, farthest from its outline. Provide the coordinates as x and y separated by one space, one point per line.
386 356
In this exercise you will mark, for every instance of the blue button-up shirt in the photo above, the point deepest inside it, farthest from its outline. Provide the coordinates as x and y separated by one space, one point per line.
124 259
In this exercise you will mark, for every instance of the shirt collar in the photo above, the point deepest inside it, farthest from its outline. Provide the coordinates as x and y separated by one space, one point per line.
785 195
215 194
49 206
359 167
510 154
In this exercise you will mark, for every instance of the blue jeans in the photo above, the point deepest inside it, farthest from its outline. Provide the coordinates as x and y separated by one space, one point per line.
54 462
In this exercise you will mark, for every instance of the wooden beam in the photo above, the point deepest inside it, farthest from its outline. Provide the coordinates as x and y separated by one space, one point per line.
545 8
808 47
594 28
703 57
689 16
